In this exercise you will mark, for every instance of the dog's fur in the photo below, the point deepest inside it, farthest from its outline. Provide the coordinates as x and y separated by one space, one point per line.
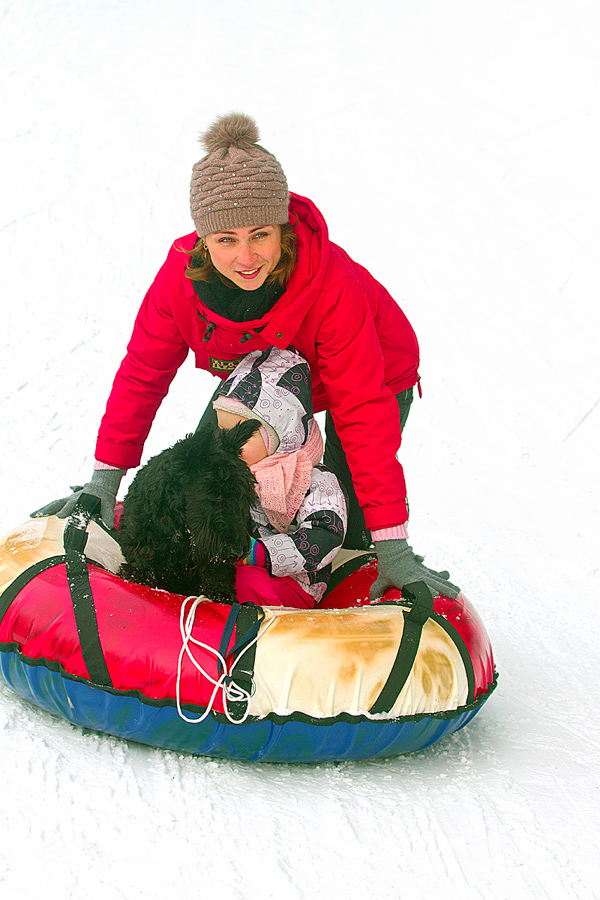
186 516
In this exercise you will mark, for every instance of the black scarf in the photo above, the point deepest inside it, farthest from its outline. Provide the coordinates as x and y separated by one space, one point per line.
235 303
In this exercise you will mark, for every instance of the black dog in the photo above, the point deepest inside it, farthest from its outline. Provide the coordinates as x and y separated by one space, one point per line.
186 516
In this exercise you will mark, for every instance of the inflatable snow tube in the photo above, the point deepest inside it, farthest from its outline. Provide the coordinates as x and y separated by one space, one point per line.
347 680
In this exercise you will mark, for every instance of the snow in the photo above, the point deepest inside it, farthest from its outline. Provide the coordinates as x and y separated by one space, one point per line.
453 148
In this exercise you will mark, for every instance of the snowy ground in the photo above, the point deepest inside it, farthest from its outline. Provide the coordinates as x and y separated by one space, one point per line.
453 148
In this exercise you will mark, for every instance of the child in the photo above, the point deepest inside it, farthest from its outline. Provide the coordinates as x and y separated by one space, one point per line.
300 521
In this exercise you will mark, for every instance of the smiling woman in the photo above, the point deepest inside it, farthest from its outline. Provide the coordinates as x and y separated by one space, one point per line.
260 272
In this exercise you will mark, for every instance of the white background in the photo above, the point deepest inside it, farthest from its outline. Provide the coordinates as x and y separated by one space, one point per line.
453 148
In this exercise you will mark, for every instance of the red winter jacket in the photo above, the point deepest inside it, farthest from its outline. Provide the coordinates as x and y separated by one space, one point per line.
359 344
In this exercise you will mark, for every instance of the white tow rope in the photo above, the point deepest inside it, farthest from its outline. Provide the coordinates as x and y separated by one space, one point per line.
232 692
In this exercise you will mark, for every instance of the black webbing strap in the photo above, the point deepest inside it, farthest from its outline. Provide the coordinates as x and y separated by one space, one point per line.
414 619
78 579
247 618
227 632
347 568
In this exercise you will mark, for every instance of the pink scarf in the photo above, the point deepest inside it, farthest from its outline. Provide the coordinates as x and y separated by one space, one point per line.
284 478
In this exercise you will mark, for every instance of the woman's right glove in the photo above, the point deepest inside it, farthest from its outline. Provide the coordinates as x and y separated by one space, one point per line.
104 484
398 565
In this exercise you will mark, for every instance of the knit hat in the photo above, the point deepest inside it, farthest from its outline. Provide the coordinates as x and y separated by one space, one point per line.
239 183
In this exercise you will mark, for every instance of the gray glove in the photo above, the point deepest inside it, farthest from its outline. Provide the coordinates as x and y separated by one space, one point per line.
104 484
398 565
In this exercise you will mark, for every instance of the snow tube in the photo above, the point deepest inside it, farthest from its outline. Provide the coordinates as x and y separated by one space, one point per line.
347 680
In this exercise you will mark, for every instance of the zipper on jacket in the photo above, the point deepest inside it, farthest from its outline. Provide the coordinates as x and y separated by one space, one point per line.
210 327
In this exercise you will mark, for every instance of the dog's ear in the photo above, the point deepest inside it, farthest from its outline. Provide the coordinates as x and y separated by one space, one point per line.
218 502
234 439
218 517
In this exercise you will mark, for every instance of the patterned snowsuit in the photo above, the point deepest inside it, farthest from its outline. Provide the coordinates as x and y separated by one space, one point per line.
275 386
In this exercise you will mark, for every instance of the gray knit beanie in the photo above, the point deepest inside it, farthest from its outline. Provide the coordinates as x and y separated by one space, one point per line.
239 183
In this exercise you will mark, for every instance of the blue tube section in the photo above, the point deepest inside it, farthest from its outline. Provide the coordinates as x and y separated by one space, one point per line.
159 725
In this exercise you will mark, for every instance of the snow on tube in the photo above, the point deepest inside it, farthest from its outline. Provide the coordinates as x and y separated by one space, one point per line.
346 680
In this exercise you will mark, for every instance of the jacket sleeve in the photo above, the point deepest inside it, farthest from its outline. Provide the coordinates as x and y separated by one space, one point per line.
364 410
154 354
318 533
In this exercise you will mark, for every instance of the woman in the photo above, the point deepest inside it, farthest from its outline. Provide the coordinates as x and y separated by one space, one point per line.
260 271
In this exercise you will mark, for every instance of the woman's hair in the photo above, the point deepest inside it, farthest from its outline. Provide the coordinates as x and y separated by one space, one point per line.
200 266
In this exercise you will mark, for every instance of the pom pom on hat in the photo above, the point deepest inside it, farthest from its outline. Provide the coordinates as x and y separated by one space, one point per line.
232 130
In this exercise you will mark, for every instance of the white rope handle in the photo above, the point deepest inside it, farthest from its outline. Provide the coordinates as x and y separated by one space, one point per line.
231 691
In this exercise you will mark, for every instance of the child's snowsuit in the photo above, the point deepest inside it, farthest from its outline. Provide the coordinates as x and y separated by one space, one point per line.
301 518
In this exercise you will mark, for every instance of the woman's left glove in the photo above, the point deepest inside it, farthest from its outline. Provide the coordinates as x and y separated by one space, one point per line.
398 565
